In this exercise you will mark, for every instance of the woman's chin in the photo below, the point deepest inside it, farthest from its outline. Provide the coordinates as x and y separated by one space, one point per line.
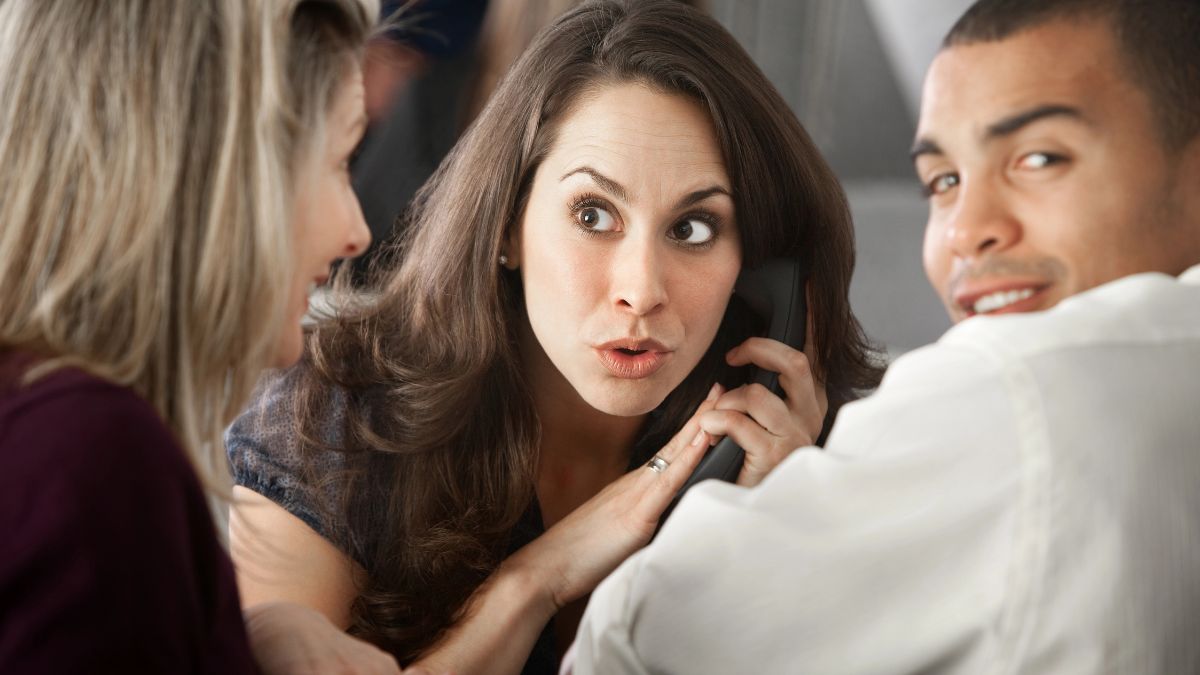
624 400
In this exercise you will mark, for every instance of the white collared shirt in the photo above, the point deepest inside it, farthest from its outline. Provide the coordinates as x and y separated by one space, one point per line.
1021 497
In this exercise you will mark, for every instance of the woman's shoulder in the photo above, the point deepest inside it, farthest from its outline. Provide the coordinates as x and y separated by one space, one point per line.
269 427
73 422
80 451
268 454
107 529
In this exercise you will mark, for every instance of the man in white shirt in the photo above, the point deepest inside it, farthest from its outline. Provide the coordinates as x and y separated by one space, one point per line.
1024 495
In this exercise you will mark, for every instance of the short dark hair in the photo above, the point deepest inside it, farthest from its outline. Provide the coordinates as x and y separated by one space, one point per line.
1158 40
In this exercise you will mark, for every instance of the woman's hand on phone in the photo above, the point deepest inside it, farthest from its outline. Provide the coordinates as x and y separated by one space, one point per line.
574 555
766 426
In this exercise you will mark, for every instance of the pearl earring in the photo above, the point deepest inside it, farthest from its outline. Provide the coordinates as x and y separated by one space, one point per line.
503 259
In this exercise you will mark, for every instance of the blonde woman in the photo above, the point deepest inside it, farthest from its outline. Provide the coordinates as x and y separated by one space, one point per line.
173 180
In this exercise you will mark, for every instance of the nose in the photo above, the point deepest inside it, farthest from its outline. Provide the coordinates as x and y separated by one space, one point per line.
358 237
982 223
639 280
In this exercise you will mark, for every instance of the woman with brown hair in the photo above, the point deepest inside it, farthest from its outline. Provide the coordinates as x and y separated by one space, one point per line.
457 460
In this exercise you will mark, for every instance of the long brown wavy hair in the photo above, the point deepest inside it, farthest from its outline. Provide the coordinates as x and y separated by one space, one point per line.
440 437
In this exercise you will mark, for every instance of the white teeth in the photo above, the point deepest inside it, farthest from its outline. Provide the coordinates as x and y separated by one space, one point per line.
1001 299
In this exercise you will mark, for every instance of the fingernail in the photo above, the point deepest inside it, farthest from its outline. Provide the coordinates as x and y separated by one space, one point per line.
698 439
712 393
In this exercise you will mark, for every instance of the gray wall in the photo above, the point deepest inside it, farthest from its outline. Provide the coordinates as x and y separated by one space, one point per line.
851 70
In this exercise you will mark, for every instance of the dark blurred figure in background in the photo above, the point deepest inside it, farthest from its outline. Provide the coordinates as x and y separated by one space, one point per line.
417 79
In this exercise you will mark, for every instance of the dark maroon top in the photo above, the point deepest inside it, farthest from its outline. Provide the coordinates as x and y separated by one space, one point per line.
109 561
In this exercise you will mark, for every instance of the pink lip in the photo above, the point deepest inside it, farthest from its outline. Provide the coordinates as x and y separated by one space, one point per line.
632 358
966 296
634 344
632 366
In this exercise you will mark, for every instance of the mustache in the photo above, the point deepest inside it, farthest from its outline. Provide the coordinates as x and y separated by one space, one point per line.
1043 268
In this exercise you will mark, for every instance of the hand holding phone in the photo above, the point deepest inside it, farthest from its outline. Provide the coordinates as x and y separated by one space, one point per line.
776 290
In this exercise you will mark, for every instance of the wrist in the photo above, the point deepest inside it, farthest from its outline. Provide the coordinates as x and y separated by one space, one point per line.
526 586
254 613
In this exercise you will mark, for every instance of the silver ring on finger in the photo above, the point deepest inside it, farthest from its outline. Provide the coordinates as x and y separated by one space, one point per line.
657 464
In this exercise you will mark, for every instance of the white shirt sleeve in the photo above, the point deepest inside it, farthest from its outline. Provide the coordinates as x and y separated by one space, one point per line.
896 549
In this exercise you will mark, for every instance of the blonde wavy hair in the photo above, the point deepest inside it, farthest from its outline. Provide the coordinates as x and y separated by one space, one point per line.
147 156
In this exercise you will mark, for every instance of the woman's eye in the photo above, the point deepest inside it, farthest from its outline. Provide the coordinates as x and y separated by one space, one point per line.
941 184
692 231
595 219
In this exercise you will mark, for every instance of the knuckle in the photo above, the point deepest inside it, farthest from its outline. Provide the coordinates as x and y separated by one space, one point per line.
798 363
757 393
740 423
730 418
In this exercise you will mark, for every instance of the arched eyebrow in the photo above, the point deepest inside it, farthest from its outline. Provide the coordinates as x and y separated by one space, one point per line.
700 195
603 181
619 191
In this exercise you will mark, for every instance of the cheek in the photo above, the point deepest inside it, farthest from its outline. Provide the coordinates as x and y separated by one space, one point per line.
560 272
309 212
558 280
574 276
322 227
934 255
701 299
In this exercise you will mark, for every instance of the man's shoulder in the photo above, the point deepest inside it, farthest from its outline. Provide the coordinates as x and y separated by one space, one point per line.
990 379
1141 310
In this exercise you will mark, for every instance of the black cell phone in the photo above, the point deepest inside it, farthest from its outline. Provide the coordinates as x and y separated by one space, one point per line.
774 290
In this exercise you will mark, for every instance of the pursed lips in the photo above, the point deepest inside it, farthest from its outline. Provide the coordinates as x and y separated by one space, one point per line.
632 358
634 345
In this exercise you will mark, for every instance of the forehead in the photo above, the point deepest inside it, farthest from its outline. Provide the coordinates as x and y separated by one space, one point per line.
631 125
1074 64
